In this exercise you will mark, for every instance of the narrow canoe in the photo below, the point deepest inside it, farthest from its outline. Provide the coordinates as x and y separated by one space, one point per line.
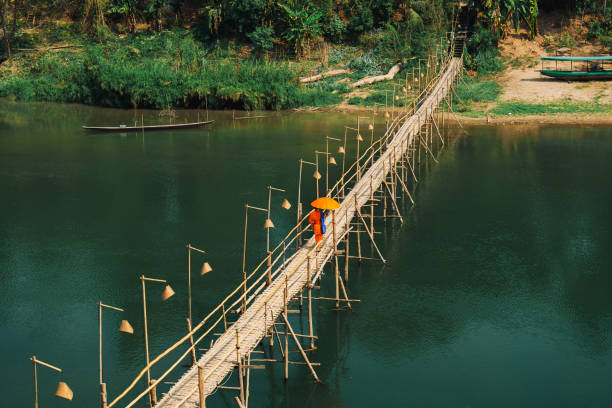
177 126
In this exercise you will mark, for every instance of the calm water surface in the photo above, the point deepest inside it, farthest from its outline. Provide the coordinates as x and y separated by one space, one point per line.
498 291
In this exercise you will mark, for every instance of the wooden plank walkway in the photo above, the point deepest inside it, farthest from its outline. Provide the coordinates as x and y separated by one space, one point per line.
304 266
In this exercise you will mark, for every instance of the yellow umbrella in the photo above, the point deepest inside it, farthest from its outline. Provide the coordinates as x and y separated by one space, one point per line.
325 203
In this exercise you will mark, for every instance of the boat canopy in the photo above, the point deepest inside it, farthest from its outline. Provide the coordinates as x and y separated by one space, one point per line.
605 58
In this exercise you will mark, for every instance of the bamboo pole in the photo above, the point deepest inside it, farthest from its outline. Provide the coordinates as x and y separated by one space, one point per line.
369 233
202 396
371 206
286 338
299 346
248 381
348 302
239 360
393 202
405 189
193 353
144 308
310 328
35 383
346 248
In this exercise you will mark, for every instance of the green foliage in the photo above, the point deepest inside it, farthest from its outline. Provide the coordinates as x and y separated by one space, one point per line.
368 63
520 108
303 26
338 55
262 39
376 99
600 28
521 10
478 91
361 20
335 29
498 15
566 40
473 91
482 52
168 69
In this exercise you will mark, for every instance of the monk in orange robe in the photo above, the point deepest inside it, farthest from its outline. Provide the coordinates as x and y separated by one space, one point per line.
316 219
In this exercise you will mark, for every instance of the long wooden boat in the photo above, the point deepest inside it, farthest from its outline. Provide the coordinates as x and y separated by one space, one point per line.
578 68
177 126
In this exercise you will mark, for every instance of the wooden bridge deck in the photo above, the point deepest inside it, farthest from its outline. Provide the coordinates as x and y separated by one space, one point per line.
251 327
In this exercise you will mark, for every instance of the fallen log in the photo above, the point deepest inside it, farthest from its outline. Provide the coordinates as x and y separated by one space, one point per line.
370 80
58 47
324 75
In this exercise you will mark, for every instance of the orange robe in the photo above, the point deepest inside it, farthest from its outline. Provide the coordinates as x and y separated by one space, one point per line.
314 219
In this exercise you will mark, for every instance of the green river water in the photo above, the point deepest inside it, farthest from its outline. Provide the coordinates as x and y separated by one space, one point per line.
498 291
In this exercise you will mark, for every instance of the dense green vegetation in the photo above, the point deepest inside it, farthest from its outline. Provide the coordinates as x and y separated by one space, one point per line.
244 54
160 70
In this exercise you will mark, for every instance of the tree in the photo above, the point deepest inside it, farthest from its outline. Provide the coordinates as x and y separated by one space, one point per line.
303 26
126 8
9 11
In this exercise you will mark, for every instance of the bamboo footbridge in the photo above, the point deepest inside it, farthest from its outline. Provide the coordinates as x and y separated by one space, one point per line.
291 271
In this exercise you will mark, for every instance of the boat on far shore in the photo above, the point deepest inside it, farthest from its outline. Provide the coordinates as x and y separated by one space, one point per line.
123 128
577 68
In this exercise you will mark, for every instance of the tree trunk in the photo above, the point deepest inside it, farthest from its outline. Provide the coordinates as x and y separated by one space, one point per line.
3 24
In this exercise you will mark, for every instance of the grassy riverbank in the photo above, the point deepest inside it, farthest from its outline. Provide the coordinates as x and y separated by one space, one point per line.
169 69
186 65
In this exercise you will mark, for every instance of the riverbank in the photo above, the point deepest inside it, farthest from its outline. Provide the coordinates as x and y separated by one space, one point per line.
603 118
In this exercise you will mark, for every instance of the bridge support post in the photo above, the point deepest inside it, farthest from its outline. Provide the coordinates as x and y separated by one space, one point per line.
369 233
193 353
310 329
201 387
405 189
103 397
346 248
397 211
371 204
240 373
300 348
336 271
153 393
271 342
286 333
384 197
438 130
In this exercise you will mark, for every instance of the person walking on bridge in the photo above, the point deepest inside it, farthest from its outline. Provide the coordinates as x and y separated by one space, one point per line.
317 216
317 220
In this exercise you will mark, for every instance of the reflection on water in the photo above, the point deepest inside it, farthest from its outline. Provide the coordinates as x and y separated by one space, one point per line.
497 292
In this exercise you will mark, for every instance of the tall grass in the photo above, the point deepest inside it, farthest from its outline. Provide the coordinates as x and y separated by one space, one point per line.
168 69
520 108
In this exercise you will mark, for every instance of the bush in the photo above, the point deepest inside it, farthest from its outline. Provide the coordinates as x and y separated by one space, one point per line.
262 39
482 52
335 29
368 64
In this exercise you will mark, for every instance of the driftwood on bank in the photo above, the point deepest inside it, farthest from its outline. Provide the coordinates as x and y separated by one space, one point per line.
370 80
58 47
324 75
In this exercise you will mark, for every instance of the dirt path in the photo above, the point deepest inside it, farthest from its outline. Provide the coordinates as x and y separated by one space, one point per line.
521 82
527 85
